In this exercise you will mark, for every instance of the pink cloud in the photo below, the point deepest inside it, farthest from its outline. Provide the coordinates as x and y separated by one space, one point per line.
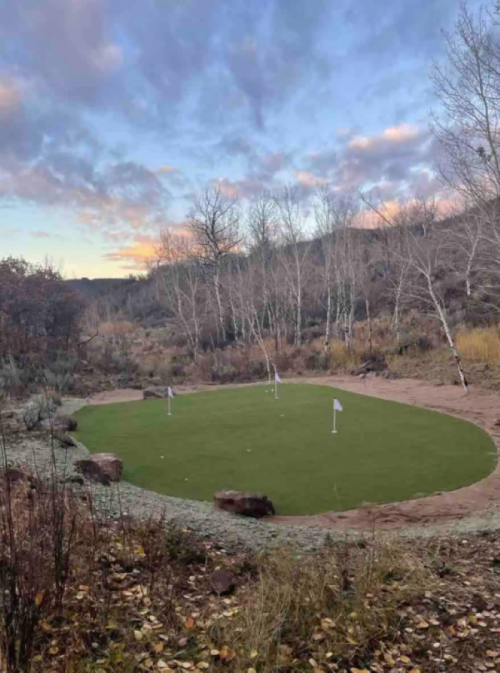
402 133
136 255
40 234
307 179
167 169
10 98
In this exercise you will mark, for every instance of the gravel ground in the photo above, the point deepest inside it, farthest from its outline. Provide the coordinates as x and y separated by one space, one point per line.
34 453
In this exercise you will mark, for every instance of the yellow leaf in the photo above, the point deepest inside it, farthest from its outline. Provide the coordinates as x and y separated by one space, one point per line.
149 663
389 660
39 598
159 647
54 650
422 625
352 640
214 653
202 665
415 670
254 654
251 670
405 660
140 550
138 635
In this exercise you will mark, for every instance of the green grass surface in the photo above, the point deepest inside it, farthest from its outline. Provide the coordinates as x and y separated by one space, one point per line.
244 439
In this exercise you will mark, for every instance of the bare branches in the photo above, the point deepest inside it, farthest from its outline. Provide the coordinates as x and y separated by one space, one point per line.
468 89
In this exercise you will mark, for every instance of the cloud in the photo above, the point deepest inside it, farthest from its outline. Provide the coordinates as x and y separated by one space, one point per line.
306 179
124 196
261 177
40 234
398 159
90 88
65 46
10 100
166 169
135 257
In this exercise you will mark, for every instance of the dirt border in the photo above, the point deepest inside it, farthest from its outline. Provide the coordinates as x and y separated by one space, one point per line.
478 406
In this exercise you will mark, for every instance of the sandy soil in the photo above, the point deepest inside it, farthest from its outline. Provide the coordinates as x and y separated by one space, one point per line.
479 500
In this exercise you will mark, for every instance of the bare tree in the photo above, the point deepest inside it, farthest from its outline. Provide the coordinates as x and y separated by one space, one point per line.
345 216
263 231
468 89
326 230
214 224
178 274
426 258
294 251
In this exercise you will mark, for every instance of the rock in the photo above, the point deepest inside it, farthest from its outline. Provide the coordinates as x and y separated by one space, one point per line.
255 505
376 363
75 479
8 413
66 440
223 582
61 423
14 476
101 467
155 392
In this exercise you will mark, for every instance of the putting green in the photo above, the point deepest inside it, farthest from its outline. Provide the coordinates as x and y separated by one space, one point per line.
244 439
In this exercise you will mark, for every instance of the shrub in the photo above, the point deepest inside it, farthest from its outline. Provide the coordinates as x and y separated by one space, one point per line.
182 547
480 345
341 597
39 409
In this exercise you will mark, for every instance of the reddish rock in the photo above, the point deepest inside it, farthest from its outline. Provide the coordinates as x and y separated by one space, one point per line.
101 467
256 505
223 582
15 476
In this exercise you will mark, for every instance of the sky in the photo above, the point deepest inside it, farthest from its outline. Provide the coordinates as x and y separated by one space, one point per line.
115 113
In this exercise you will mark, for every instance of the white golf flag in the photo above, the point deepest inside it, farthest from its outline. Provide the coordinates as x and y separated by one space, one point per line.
277 377
337 406
170 392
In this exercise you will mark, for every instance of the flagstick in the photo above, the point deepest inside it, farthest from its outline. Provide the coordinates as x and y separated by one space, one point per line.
275 389
334 431
168 406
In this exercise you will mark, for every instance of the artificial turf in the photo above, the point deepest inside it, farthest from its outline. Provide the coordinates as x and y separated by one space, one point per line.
244 439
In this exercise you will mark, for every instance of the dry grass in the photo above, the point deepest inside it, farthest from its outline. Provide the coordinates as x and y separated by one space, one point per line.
138 598
343 600
480 344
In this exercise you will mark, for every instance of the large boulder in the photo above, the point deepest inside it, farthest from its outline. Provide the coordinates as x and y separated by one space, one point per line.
256 505
101 467
155 393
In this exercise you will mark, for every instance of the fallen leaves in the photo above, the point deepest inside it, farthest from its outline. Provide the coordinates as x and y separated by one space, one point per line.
170 621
